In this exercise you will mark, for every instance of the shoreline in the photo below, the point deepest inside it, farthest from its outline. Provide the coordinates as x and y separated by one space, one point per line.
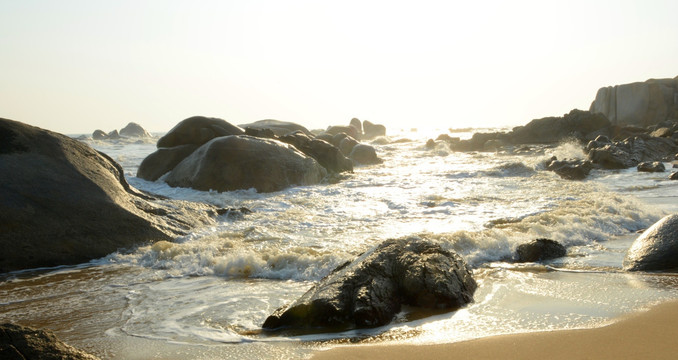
646 334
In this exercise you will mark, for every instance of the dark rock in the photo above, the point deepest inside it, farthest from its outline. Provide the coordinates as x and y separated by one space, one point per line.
99 135
278 127
336 139
630 152
371 131
364 154
233 213
325 136
651 166
448 138
21 342
163 161
328 155
347 144
656 248
430 144
673 176
348 130
369 291
570 169
113 135
540 250
198 130
576 124
242 162
134 130
262 133
62 202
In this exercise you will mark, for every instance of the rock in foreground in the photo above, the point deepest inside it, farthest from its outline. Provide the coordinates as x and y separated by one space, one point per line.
62 202
242 162
656 248
369 291
20 342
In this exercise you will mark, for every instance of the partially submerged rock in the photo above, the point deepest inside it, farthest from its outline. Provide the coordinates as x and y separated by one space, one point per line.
651 166
656 248
198 130
21 342
369 291
62 202
279 128
540 250
630 152
163 161
371 130
134 130
574 169
328 155
364 154
242 162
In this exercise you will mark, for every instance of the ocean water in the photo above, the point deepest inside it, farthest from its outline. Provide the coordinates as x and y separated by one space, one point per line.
205 295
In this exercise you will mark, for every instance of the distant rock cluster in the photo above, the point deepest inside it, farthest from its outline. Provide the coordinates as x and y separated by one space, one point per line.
132 130
269 155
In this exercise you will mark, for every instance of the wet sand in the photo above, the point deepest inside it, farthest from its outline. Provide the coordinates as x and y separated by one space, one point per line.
646 335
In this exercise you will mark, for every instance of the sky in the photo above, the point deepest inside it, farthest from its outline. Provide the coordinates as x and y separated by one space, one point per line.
76 66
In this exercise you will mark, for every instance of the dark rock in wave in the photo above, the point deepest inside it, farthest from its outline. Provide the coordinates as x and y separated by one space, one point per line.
328 155
651 166
369 291
540 250
570 169
656 248
62 202
163 161
21 342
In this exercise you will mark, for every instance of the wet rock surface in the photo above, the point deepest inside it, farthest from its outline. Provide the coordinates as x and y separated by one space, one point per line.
656 248
369 291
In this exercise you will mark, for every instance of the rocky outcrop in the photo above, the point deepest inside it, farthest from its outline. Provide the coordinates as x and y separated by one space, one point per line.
163 161
576 124
574 169
656 248
21 342
371 131
364 154
279 128
540 250
640 103
370 290
243 162
62 202
134 130
198 130
630 152
328 155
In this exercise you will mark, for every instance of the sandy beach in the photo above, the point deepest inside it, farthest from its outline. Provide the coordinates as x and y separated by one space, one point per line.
646 335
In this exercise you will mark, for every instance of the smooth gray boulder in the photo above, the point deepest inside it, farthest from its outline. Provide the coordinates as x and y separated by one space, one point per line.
22 342
62 203
198 130
242 162
371 130
163 161
656 248
364 154
278 127
371 290
328 155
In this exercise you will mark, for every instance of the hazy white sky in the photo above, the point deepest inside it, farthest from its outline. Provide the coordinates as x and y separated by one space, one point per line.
76 66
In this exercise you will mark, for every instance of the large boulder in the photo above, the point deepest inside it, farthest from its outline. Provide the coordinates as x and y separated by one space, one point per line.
62 202
540 250
640 103
134 130
163 161
348 130
278 127
370 290
198 130
371 131
243 162
328 155
364 154
573 169
656 248
21 342
576 124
